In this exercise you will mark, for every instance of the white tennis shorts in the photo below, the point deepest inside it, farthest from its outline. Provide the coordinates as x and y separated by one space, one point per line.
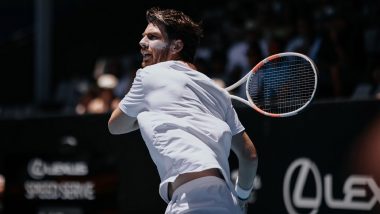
205 195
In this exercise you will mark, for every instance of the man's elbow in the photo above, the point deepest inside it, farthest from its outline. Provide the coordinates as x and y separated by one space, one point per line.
112 129
250 157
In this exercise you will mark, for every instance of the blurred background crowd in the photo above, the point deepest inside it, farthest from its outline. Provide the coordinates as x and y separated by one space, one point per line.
95 52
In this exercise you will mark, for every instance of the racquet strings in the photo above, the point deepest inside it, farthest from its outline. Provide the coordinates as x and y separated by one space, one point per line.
282 85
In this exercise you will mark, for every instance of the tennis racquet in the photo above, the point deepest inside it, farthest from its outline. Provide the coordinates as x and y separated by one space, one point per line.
280 85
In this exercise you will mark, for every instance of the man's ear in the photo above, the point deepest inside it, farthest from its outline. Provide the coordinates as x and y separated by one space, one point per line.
176 46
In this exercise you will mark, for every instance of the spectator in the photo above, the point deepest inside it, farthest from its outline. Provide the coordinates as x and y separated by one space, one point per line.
102 98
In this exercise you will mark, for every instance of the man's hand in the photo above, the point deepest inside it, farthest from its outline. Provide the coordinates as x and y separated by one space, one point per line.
243 205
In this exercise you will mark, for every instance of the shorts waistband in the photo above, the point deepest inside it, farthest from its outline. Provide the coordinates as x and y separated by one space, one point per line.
198 183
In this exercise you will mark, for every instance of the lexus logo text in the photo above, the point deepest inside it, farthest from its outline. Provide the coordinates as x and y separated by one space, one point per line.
360 192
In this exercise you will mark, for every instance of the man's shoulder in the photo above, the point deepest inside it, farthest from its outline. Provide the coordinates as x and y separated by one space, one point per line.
160 65
167 68
168 65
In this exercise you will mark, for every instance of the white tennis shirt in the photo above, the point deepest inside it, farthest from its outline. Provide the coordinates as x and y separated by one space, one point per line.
185 119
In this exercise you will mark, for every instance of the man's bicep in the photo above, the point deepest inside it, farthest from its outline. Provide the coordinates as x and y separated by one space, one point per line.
120 123
242 145
237 143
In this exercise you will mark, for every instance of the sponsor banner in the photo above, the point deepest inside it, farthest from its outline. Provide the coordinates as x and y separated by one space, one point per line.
325 160
360 192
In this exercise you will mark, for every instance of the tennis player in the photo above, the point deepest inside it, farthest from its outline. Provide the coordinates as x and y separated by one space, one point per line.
187 122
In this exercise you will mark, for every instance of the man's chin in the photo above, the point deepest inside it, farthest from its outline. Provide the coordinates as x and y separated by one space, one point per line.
146 63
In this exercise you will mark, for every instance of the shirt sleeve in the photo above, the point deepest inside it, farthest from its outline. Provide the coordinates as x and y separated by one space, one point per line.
233 121
133 102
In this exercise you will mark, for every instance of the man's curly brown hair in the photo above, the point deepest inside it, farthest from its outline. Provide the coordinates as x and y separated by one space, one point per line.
180 26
